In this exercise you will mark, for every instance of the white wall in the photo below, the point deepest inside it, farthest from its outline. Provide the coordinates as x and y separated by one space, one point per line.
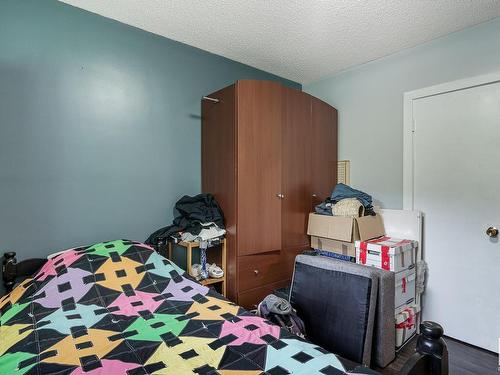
369 99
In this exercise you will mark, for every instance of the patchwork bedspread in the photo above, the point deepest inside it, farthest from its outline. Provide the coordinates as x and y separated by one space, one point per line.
120 308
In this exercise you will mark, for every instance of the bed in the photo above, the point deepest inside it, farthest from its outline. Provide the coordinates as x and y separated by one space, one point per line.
119 307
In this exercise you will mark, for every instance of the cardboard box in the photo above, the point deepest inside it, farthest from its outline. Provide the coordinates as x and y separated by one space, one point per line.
405 288
406 324
334 246
345 229
387 253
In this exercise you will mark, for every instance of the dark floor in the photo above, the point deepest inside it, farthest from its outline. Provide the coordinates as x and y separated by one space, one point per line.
463 359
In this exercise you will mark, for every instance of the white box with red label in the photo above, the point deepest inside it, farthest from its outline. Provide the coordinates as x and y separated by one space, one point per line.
387 253
406 324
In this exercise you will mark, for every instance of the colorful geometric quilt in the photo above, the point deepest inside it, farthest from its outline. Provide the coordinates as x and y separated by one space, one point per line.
120 308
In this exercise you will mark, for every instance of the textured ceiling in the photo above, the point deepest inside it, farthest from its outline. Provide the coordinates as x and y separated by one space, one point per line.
303 40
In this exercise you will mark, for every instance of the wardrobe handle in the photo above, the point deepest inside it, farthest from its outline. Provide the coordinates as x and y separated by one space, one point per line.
314 195
280 196
256 272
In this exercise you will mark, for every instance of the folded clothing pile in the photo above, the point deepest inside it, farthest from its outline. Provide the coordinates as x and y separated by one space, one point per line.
199 218
209 232
346 201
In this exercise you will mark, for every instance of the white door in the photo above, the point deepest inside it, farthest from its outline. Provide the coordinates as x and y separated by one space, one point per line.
457 187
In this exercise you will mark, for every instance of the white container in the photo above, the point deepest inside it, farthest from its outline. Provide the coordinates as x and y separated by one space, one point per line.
387 253
406 324
405 288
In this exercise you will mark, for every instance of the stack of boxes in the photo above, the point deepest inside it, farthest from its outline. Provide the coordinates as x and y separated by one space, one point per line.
398 256
335 236
363 240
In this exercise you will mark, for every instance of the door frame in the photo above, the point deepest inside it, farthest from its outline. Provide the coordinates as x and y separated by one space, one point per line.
409 124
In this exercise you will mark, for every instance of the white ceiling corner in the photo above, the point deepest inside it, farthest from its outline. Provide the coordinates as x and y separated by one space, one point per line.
302 40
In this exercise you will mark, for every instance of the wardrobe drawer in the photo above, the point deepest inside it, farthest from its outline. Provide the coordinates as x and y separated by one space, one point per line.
251 298
258 270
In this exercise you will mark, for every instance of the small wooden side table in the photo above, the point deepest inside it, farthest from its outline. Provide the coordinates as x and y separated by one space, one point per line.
189 246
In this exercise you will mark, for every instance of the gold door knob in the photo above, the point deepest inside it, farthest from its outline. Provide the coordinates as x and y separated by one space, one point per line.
492 232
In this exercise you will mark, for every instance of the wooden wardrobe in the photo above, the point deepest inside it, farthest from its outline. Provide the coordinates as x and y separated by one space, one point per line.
269 154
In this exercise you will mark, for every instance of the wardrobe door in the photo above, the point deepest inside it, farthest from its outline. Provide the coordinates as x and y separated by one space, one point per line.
259 113
296 143
218 167
324 150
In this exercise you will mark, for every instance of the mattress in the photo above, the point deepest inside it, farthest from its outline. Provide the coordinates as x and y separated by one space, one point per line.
119 307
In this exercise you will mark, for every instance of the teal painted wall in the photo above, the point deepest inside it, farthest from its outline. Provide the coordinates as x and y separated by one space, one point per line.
99 126
369 99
